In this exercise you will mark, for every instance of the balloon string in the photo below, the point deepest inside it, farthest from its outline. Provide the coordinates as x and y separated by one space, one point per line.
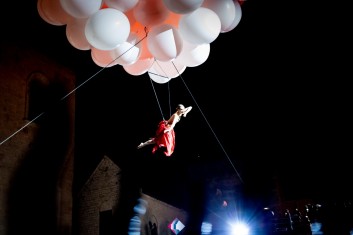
214 134
155 94
166 76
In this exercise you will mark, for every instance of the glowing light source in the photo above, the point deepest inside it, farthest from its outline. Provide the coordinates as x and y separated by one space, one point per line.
240 229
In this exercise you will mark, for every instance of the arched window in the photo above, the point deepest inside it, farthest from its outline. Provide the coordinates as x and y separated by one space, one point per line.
38 97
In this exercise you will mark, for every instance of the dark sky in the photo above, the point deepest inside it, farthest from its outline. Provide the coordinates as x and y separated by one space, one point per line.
271 100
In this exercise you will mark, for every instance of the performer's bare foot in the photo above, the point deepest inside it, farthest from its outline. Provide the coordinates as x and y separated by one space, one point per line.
140 146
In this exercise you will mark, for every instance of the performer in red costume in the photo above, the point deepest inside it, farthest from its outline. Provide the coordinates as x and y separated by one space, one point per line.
165 135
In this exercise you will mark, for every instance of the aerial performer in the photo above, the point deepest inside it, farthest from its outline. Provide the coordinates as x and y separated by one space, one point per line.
165 135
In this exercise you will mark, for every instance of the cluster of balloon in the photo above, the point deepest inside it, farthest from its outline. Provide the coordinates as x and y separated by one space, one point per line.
144 35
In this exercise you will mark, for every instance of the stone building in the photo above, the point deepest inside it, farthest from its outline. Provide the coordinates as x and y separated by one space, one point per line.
100 204
37 143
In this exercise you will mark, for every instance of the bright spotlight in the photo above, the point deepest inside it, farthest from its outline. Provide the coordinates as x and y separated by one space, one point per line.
240 229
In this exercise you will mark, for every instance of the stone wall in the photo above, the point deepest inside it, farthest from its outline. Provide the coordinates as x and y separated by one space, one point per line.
103 193
99 194
36 157
160 215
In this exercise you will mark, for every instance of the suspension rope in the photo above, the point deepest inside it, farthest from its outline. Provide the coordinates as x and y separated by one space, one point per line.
214 134
166 77
155 94
170 108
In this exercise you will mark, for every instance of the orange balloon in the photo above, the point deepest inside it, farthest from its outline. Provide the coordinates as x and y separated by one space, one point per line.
141 31
150 12
52 12
173 19
138 29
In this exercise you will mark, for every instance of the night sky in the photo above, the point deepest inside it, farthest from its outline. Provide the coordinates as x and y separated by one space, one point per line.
271 99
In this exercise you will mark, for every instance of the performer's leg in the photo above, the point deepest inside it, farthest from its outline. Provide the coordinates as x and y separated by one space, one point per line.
148 142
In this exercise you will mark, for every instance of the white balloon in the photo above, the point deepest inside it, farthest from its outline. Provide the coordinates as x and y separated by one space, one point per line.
225 10
201 26
162 72
193 55
127 52
81 8
237 18
75 34
150 12
139 67
182 6
121 5
158 78
107 29
164 42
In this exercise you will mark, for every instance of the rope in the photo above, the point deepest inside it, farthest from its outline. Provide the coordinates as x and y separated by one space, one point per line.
154 90
214 134
170 107
166 76
72 91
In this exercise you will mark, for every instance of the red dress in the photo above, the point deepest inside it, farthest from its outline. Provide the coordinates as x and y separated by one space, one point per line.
162 139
